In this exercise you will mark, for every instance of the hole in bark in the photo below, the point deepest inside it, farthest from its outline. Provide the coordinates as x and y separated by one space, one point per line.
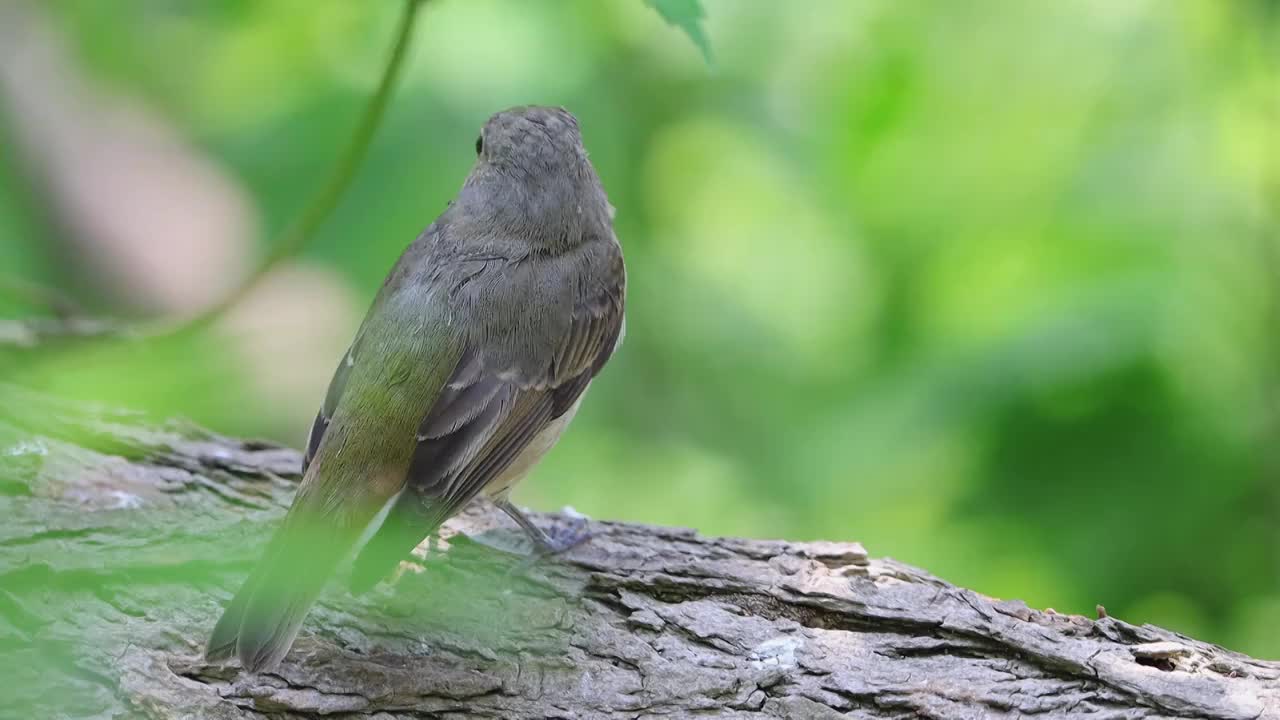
1159 663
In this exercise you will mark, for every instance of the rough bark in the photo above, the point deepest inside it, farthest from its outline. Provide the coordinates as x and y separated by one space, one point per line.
123 540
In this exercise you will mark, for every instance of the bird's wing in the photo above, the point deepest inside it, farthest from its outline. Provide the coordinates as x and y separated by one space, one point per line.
330 405
486 416
357 462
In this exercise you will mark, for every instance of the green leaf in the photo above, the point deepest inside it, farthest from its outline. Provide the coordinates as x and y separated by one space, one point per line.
688 16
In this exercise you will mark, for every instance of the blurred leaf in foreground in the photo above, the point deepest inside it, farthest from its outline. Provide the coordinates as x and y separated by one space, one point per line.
688 16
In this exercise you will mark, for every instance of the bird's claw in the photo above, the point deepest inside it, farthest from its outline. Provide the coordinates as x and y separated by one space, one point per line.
563 537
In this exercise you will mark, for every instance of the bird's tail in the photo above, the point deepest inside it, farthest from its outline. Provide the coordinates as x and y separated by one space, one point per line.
263 619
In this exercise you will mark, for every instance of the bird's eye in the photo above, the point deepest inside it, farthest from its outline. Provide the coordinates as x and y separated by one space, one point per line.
479 144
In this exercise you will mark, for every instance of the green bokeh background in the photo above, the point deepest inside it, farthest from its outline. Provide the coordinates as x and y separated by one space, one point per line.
992 287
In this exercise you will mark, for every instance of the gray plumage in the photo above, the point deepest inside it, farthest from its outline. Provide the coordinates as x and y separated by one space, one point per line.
471 361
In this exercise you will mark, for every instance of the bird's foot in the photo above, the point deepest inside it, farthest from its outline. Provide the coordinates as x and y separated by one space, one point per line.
561 538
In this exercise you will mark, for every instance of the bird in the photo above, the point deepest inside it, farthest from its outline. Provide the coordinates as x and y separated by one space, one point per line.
470 363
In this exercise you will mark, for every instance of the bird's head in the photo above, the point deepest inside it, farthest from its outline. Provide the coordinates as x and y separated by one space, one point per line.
532 178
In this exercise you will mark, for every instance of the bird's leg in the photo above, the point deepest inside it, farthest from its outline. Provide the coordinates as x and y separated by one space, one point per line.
558 541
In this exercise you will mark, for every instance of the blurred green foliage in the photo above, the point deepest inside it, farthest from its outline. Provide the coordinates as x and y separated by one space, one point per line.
992 287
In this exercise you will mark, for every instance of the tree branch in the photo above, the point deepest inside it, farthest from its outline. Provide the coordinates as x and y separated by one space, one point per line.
122 541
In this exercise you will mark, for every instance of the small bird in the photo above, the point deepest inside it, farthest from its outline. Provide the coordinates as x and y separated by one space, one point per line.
468 367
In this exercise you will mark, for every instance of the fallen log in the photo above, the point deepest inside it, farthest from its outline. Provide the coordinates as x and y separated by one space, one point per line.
124 538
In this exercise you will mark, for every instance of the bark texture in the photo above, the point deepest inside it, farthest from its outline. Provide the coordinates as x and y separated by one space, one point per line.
122 541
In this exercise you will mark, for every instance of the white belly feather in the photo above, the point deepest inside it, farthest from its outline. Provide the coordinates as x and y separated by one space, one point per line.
501 485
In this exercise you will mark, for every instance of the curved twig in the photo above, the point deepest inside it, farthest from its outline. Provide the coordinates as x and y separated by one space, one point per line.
296 236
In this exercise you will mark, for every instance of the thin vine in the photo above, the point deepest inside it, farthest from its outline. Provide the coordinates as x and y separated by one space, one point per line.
300 232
